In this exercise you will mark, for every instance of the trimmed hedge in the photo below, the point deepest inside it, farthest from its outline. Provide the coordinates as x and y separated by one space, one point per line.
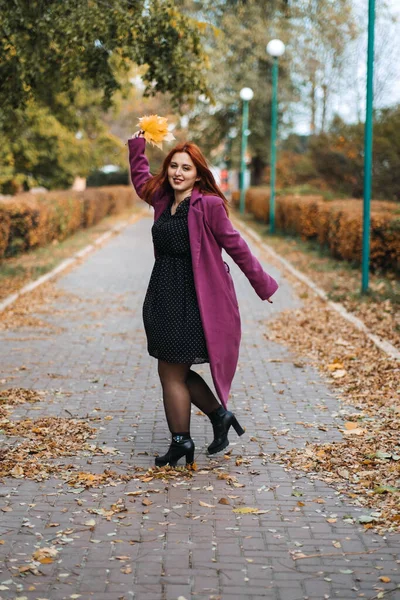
31 220
334 224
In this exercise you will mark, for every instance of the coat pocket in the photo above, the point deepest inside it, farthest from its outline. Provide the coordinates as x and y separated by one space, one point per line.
231 285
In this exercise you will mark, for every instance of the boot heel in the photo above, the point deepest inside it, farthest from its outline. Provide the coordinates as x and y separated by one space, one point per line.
190 457
237 427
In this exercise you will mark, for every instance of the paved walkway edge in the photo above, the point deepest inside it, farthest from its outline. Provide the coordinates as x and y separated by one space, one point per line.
29 287
382 344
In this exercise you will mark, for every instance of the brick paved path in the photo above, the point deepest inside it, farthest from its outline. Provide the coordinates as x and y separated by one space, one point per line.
175 547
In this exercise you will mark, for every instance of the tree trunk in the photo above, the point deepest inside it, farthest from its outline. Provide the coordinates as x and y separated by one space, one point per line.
324 106
313 98
257 168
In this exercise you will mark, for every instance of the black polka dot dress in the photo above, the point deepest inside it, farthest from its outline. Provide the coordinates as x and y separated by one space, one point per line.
170 312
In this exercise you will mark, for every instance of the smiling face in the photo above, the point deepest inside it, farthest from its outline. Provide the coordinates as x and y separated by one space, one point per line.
182 173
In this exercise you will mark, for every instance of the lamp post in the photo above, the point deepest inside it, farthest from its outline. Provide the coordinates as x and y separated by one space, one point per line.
368 151
246 94
232 134
275 48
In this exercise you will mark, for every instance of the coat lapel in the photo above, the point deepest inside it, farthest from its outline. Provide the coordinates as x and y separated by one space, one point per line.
195 225
160 206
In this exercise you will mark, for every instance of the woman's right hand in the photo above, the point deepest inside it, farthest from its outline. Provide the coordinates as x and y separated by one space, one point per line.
137 134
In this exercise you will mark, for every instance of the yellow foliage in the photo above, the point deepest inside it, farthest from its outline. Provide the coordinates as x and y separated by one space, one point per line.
155 130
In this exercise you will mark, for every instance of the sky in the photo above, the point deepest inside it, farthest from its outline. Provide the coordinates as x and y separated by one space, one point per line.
349 100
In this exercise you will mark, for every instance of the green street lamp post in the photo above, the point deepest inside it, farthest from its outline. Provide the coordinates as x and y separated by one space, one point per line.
246 94
275 48
368 151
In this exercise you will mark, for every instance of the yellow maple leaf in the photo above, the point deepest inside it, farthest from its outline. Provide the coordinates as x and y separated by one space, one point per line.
351 425
335 366
155 130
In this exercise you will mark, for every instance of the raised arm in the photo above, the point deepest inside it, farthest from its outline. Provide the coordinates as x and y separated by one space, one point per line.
139 165
231 240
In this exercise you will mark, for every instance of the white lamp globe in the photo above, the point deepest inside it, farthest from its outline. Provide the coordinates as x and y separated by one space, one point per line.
275 48
232 133
246 94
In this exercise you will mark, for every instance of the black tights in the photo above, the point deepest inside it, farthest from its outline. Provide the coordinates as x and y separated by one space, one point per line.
181 386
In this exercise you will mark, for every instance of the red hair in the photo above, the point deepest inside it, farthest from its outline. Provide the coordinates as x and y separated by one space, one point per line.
207 183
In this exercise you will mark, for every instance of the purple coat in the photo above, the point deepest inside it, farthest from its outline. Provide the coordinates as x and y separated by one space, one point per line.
210 230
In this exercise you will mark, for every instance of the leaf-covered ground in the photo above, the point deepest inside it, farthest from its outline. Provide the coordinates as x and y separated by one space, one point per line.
366 464
379 310
29 447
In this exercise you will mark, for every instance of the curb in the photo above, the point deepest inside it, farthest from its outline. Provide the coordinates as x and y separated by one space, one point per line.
382 344
29 287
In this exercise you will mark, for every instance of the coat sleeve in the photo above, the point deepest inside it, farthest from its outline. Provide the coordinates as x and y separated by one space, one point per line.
233 243
139 165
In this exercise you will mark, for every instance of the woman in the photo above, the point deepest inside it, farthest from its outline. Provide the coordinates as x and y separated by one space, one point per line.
190 312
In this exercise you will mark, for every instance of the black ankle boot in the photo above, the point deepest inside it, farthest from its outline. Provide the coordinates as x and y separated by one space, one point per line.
181 445
221 421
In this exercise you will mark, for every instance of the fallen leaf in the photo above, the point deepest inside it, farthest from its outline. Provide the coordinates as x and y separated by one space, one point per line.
385 579
17 472
43 554
245 510
386 489
126 570
223 501
206 504
46 560
356 431
335 366
351 425
339 374
343 473
365 519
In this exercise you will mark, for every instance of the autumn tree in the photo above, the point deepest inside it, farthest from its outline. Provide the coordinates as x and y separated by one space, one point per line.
237 34
321 31
315 34
61 64
46 45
